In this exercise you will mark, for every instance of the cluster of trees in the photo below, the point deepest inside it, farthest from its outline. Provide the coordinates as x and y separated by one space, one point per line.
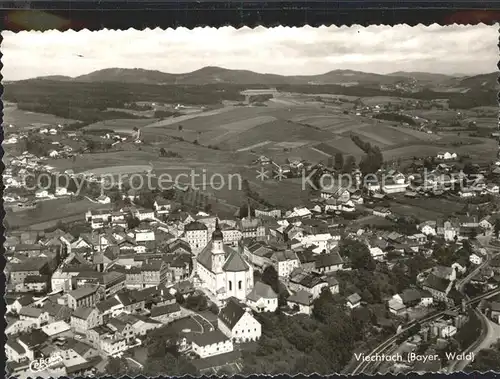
169 154
470 331
373 159
90 101
166 114
395 117
260 98
35 145
486 360
163 356
321 344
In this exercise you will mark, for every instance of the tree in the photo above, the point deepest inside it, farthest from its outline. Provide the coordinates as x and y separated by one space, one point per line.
270 277
349 164
179 128
497 227
117 367
358 253
339 161
133 222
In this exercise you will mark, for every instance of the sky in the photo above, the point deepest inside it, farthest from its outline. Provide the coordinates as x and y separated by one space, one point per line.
455 49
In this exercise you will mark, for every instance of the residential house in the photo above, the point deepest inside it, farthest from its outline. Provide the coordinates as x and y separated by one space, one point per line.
144 214
337 192
238 323
22 301
262 298
448 228
309 282
36 315
162 206
428 228
211 343
396 307
328 262
353 301
258 253
487 223
166 313
475 259
301 301
438 287
285 261
84 318
86 296
495 311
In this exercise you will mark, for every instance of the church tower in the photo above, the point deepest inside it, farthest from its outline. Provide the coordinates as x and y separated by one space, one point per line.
218 255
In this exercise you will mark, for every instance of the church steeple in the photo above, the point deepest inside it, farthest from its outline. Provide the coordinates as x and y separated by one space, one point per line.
249 210
217 234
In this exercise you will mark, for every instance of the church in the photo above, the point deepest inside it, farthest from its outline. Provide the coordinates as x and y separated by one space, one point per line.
222 270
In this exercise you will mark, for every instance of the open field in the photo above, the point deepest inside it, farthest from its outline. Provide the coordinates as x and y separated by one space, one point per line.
50 211
385 135
21 119
422 214
123 125
440 205
483 149
132 169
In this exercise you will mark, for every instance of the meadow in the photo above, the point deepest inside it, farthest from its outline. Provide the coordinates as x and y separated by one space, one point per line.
122 125
21 119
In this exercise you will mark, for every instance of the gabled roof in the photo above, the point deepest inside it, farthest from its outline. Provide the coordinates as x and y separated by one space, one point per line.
410 295
231 313
301 297
284 255
165 309
195 225
354 298
82 292
82 313
30 312
327 260
209 338
437 283
261 290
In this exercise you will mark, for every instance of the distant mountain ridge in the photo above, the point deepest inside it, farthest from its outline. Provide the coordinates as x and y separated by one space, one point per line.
219 75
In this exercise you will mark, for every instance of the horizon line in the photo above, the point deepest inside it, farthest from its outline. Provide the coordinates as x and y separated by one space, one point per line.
394 73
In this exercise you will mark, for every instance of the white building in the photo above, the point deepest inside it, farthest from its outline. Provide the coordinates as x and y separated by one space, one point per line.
211 343
262 298
223 270
196 234
302 301
162 206
238 323
143 235
475 259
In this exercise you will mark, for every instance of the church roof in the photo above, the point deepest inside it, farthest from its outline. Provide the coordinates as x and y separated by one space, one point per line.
234 261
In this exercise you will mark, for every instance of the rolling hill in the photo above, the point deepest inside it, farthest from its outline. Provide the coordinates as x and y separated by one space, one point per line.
218 75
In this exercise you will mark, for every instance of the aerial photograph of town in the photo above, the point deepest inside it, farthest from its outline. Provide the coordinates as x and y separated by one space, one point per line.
223 201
